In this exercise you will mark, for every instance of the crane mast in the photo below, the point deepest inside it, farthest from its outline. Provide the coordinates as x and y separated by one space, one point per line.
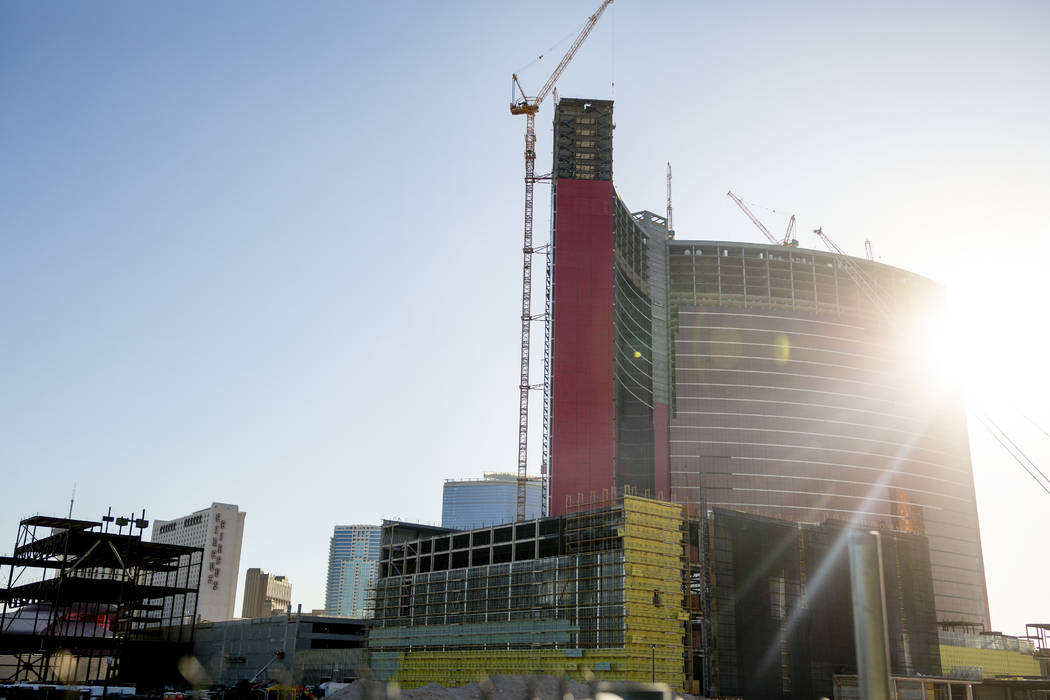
670 226
523 104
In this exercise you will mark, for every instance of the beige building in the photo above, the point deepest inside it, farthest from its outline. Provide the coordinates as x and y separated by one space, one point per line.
265 594
217 530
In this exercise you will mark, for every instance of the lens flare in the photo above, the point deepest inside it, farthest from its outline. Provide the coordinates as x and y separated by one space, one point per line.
781 349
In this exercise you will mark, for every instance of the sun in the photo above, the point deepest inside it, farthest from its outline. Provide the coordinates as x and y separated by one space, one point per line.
939 346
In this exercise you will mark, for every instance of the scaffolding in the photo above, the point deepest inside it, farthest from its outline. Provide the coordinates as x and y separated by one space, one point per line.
87 604
599 591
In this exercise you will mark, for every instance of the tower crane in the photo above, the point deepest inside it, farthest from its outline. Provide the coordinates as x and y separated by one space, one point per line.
521 103
867 286
789 236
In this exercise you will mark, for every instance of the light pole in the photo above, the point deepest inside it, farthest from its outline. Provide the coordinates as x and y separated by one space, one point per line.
652 652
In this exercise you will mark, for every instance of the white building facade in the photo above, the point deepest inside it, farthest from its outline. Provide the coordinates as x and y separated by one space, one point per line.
217 530
353 567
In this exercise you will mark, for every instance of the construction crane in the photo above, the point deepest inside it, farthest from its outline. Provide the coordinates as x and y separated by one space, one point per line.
789 236
521 103
858 275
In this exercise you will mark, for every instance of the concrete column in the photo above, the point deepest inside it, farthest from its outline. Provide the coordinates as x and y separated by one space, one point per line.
869 616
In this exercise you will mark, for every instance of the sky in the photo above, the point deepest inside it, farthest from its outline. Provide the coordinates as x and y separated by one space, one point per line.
270 253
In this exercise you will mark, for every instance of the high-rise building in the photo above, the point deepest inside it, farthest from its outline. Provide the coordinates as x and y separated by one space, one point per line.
759 378
265 594
218 531
493 500
353 562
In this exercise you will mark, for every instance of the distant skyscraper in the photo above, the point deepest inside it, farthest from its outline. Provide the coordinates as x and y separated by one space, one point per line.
353 564
471 503
218 531
265 594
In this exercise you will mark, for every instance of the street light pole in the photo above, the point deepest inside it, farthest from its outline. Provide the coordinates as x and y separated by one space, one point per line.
652 651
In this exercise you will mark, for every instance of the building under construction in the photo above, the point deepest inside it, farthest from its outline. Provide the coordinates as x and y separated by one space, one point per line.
732 604
599 591
770 379
91 602
781 608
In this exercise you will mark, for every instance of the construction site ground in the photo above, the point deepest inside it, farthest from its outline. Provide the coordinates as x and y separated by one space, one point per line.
494 688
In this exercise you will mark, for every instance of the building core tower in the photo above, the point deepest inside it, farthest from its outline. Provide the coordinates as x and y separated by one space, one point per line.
609 389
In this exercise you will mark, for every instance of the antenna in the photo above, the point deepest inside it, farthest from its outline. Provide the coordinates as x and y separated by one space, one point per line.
72 498
670 227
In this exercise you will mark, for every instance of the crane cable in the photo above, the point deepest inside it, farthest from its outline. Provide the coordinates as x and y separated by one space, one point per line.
1027 464
558 43
756 204
612 51
1041 428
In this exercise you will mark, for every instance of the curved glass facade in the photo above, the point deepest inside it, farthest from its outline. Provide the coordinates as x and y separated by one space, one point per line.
794 398
632 354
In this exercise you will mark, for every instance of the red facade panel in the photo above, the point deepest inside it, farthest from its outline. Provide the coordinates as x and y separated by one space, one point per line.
582 419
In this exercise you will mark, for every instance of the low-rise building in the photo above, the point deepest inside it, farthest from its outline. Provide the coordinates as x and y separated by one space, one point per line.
969 652
303 649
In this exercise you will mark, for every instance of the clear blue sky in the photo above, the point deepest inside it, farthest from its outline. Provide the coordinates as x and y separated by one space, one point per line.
269 254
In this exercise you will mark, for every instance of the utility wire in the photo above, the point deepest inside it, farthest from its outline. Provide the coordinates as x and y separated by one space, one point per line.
1011 447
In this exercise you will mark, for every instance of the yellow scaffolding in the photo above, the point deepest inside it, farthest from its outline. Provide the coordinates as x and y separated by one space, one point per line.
623 573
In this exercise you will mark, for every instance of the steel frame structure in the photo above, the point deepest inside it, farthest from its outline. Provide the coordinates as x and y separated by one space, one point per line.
84 603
